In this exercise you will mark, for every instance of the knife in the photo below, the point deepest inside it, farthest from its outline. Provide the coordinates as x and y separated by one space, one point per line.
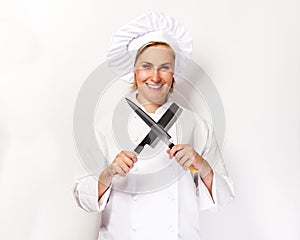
165 122
157 129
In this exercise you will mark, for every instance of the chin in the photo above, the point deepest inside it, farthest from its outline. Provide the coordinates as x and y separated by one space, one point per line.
157 100
154 96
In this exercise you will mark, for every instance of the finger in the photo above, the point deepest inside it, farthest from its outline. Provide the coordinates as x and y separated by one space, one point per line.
191 161
179 155
124 167
131 155
116 170
187 163
183 161
128 161
168 152
175 149
130 158
186 150
124 161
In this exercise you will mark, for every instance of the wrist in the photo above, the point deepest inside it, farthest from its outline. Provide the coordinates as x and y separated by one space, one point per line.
203 166
198 163
107 174
206 170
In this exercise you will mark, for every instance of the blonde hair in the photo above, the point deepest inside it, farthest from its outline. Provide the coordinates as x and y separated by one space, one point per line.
141 50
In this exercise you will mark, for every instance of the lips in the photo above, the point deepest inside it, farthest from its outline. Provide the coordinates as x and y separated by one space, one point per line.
154 86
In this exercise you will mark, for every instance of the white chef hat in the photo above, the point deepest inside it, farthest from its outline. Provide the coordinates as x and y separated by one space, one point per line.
151 26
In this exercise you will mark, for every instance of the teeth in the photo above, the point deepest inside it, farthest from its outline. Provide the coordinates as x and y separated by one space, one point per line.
154 86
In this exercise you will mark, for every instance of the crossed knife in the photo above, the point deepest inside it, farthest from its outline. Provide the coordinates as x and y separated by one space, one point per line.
157 128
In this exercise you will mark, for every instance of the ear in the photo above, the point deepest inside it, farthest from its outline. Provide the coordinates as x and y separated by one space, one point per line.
173 82
172 85
133 84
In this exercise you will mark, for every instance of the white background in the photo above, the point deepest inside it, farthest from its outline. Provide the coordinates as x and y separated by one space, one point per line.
251 51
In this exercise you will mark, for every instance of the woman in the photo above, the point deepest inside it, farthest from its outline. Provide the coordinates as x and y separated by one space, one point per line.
172 210
154 68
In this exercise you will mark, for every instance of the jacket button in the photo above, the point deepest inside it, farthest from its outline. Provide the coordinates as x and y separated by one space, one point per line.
171 228
134 197
171 197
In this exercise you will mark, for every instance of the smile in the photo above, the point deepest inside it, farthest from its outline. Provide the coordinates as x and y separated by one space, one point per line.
154 86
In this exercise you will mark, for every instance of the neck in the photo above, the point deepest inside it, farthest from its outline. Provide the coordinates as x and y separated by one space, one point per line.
150 107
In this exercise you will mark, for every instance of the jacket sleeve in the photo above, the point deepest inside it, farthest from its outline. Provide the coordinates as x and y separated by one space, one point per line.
85 190
222 185
86 194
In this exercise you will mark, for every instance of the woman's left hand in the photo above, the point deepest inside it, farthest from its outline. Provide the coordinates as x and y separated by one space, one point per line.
186 156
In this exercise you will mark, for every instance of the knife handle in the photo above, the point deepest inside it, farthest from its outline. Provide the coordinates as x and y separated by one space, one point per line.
191 168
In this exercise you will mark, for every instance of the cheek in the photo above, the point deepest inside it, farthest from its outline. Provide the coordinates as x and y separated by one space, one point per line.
169 80
140 77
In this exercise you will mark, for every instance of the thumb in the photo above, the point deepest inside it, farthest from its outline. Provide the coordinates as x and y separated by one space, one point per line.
169 152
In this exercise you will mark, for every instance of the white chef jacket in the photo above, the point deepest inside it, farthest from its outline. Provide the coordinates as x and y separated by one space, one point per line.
169 210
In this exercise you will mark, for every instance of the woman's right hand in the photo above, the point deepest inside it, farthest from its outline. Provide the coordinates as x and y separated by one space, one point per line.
123 162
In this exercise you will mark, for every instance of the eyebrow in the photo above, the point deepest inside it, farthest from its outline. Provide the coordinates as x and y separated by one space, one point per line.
160 64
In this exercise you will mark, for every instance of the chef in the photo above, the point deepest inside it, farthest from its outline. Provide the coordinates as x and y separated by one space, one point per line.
158 194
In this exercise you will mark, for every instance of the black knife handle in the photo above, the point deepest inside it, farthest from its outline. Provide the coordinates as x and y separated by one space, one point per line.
171 145
138 149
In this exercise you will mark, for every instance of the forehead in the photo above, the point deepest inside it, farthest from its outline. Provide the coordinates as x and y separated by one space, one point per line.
157 55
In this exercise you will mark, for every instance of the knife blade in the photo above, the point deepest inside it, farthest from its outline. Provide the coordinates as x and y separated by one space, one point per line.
165 122
157 129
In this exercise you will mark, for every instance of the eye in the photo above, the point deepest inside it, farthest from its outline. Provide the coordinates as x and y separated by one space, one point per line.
146 66
165 67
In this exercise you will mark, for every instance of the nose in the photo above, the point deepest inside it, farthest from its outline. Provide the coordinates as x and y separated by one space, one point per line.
155 75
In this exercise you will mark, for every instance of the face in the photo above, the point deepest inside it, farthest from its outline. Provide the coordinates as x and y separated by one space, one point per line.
154 71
